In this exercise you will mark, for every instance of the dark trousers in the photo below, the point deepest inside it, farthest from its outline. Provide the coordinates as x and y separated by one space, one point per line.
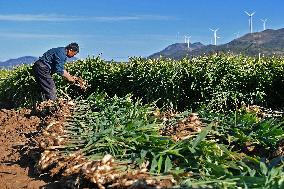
44 81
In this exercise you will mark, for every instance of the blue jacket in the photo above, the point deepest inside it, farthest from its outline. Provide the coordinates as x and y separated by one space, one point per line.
55 59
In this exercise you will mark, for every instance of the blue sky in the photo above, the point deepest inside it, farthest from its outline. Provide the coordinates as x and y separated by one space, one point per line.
118 29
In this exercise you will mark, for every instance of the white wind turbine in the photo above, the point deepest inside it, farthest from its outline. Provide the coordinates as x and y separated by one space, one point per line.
177 36
215 35
186 40
250 20
237 34
264 23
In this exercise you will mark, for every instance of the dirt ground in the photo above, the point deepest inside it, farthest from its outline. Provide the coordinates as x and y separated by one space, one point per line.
16 167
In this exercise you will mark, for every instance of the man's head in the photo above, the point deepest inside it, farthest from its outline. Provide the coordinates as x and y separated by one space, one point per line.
72 49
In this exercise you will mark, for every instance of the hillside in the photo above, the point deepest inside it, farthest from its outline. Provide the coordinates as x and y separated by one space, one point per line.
178 50
268 42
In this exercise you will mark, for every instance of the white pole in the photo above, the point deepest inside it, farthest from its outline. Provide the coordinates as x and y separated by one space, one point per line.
188 41
215 38
251 24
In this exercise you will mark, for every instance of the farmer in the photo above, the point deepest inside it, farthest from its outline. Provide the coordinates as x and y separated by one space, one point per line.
52 62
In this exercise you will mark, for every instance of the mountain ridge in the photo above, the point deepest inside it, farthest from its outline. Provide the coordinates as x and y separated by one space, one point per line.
268 42
9 64
18 61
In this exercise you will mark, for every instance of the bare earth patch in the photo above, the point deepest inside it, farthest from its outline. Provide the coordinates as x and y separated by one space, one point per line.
16 166
14 171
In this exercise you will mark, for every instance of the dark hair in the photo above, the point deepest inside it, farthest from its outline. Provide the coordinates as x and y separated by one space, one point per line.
73 47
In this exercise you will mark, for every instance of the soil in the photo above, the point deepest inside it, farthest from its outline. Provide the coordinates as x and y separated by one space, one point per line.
16 166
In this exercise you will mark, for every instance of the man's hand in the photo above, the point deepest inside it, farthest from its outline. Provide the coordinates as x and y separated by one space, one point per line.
69 77
75 80
80 82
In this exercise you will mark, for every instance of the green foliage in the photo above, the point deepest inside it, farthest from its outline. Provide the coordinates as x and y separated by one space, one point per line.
4 74
19 88
219 82
117 126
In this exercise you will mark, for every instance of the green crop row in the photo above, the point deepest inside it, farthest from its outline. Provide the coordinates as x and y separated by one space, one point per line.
213 158
217 81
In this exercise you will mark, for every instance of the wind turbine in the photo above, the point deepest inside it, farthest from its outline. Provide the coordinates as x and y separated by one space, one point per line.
250 20
264 23
215 35
186 40
237 34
